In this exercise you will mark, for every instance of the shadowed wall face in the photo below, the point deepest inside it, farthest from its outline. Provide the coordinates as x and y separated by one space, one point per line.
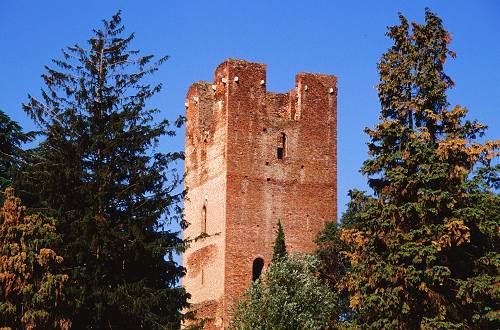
253 158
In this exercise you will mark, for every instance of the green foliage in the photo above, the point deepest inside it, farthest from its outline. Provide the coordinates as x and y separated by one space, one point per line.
333 268
350 218
334 264
288 296
279 251
113 193
424 249
11 139
31 282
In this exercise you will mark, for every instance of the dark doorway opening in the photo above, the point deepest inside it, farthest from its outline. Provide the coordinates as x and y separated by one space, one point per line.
257 266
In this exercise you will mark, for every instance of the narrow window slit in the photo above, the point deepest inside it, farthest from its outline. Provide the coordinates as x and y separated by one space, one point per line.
204 219
281 152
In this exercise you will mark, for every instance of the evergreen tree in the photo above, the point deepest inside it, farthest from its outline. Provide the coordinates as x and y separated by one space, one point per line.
113 193
424 253
31 282
279 251
332 270
11 139
334 264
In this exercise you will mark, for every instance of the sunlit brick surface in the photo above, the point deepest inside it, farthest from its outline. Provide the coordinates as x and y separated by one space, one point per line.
234 128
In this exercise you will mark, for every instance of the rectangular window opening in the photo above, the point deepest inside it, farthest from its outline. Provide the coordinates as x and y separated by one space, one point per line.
280 153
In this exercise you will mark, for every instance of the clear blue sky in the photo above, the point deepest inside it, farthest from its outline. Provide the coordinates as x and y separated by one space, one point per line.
345 38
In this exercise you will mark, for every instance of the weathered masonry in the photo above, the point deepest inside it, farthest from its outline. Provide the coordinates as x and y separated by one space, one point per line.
252 158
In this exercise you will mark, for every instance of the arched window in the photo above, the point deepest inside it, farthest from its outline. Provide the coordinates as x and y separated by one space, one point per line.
204 219
282 146
257 266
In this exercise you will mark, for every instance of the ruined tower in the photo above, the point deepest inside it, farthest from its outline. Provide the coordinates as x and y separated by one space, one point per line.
252 158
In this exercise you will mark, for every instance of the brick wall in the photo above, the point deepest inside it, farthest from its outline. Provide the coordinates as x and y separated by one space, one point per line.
234 129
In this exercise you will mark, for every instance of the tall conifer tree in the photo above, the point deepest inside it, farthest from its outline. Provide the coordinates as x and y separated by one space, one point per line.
425 248
98 170
279 251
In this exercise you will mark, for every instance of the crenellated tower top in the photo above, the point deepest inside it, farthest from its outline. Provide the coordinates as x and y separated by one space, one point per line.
238 78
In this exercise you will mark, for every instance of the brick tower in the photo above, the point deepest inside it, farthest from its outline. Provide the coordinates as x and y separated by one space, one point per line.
253 158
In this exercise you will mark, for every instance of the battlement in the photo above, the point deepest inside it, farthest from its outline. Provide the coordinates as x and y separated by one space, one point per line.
237 79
